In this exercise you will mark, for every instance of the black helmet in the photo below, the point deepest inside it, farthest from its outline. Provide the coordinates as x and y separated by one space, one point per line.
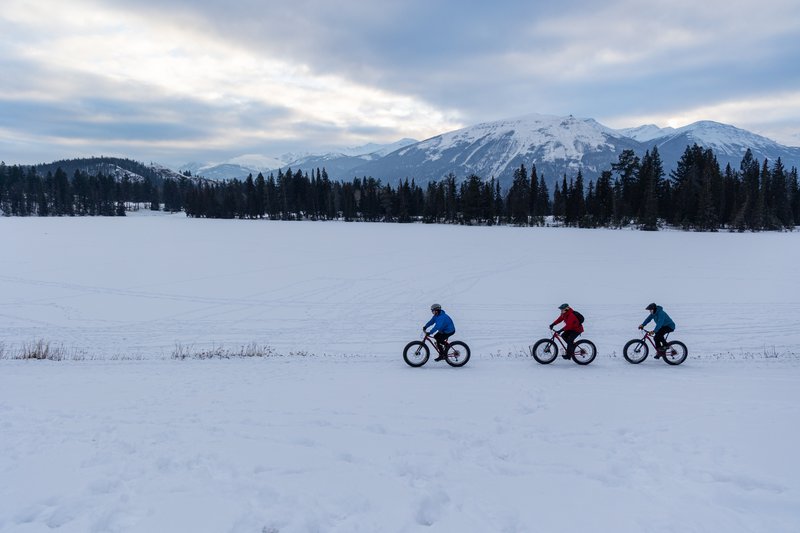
436 307
563 306
651 307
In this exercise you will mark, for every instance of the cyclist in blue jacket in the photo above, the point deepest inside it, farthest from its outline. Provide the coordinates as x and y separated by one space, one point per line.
664 325
443 328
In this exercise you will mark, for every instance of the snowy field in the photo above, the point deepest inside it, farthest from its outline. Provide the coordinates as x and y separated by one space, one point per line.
338 434
136 286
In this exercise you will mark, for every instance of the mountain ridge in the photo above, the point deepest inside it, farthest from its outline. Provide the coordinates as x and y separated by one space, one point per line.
556 145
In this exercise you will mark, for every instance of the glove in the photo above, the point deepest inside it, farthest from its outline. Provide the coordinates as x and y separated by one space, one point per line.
641 327
551 327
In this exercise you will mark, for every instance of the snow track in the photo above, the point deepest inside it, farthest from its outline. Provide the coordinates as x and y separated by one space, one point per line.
369 444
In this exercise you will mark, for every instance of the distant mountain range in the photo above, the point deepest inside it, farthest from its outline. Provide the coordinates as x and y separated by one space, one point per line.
556 145
337 164
117 167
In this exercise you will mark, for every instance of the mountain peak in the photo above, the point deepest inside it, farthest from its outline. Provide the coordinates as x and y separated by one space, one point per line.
556 145
725 138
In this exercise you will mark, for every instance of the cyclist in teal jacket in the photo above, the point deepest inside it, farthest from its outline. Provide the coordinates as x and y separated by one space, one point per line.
664 325
443 328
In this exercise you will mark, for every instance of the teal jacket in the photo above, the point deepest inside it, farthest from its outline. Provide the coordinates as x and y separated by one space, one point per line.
661 318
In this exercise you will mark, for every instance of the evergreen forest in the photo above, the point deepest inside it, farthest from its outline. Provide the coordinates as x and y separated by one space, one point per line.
634 191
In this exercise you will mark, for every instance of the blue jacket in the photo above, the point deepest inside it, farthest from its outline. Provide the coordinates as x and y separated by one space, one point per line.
661 317
441 323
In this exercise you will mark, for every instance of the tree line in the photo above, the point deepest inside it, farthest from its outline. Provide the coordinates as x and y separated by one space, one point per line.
634 191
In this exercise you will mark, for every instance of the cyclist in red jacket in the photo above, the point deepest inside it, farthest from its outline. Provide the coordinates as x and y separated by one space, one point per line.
572 328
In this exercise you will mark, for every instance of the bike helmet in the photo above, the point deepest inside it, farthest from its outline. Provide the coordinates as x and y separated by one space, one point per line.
651 307
563 306
436 307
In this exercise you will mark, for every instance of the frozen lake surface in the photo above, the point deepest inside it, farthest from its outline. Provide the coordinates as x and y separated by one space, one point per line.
347 438
139 285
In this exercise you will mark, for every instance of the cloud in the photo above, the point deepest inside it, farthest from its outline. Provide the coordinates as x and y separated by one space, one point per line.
116 58
202 77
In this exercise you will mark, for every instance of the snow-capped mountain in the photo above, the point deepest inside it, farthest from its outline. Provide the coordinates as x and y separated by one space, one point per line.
239 167
261 162
647 132
374 151
556 145
337 163
494 149
729 144
562 145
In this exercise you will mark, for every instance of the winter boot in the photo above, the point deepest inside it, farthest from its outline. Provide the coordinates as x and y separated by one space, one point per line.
442 352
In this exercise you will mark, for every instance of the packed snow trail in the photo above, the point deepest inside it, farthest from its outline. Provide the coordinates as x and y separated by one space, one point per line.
340 444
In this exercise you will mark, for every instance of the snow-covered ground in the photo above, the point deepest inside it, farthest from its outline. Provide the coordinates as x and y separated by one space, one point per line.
369 444
349 438
138 285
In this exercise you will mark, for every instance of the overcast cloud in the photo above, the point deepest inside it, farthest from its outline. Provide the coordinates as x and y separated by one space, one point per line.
182 80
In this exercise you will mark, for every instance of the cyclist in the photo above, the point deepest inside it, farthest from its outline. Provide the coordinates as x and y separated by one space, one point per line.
572 328
443 328
664 325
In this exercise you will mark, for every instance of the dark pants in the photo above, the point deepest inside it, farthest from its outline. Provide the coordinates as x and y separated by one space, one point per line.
661 342
569 337
441 340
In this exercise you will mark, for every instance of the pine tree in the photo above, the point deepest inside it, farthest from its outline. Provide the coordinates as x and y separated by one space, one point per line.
519 198
261 195
153 197
450 198
543 204
748 215
498 203
649 176
604 199
781 196
794 194
627 167
579 201
251 200
560 200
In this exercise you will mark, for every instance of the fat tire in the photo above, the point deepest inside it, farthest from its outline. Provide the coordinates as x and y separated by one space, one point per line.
543 343
464 354
680 348
630 347
413 345
589 345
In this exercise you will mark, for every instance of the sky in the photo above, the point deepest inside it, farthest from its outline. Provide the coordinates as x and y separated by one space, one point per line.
174 81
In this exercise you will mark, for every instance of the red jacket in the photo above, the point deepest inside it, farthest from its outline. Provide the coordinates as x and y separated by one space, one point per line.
571 322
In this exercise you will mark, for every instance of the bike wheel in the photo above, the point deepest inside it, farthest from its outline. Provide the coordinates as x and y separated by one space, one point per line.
675 353
457 354
585 352
544 351
416 353
635 351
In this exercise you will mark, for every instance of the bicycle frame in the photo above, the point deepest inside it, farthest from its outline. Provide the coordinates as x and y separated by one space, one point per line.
430 340
557 337
650 335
